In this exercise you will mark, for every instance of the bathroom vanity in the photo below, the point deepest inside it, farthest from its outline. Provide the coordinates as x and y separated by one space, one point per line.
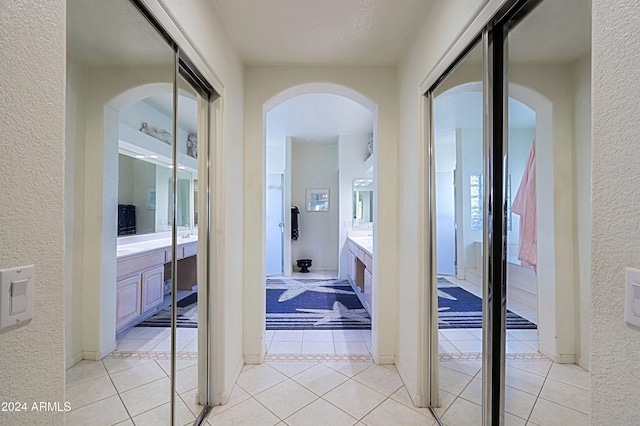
141 271
360 251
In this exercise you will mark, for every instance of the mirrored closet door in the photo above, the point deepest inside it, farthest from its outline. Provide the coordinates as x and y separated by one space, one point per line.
510 197
137 109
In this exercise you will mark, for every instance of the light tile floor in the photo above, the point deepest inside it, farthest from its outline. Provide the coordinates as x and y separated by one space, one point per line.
130 391
319 393
135 390
538 392
328 342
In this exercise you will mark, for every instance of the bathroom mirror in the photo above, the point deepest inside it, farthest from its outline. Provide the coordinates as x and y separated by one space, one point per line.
145 162
363 202
147 186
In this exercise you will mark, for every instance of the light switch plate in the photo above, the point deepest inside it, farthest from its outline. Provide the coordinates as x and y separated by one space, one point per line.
632 297
16 297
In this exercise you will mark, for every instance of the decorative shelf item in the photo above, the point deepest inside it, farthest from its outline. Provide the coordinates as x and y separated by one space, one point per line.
161 134
192 146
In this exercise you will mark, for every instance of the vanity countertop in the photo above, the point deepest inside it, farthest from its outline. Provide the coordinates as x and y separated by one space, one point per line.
124 250
364 242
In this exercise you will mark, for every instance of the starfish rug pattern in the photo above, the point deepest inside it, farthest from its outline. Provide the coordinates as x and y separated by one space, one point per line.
313 304
457 308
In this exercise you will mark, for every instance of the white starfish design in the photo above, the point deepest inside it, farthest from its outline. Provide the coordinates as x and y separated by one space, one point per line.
338 311
445 295
299 287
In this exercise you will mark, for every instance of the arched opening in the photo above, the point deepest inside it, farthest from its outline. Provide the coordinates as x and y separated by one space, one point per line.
317 138
533 292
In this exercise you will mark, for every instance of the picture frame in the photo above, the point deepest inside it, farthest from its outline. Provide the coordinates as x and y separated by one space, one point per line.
318 200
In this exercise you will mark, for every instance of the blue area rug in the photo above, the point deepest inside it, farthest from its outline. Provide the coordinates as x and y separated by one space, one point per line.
187 316
312 304
457 308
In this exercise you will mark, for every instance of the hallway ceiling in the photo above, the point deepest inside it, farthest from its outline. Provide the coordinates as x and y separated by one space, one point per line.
328 32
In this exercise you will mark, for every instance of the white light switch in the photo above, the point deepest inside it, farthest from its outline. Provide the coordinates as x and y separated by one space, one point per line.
19 296
16 296
632 297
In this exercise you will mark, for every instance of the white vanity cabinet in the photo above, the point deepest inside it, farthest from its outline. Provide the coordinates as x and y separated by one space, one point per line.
360 272
368 280
140 280
128 301
352 265
139 287
152 288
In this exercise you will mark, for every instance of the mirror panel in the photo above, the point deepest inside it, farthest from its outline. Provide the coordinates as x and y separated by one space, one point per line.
363 203
458 167
145 164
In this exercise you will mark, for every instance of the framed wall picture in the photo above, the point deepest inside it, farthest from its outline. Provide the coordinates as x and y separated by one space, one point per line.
317 200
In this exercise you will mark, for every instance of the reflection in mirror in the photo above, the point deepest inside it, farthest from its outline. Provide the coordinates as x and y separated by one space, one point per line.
363 202
458 184
144 184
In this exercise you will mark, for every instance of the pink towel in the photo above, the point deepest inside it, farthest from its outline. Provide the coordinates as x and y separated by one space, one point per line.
524 205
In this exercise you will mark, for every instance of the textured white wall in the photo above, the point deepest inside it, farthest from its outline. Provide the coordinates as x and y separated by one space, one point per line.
582 204
438 31
32 103
315 166
378 84
75 119
615 354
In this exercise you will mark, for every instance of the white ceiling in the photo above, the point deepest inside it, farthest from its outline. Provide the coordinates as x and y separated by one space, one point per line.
317 117
330 32
113 33
326 32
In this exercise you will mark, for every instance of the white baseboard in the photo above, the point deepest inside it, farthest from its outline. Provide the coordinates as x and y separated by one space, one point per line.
98 355
416 397
385 359
74 360
582 362
226 393
254 358
559 358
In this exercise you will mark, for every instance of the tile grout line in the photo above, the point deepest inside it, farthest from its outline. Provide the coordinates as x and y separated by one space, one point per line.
126 409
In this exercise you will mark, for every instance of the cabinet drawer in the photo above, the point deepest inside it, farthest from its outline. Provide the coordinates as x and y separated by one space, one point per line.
190 250
168 253
352 266
368 262
135 264
361 255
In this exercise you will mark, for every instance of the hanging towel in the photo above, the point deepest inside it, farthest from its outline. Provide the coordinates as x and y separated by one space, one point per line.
524 205
294 223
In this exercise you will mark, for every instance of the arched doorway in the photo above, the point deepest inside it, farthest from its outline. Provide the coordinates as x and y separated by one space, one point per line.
318 142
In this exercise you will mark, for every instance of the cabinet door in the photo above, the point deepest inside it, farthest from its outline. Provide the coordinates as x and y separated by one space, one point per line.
368 281
152 288
128 306
352 266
